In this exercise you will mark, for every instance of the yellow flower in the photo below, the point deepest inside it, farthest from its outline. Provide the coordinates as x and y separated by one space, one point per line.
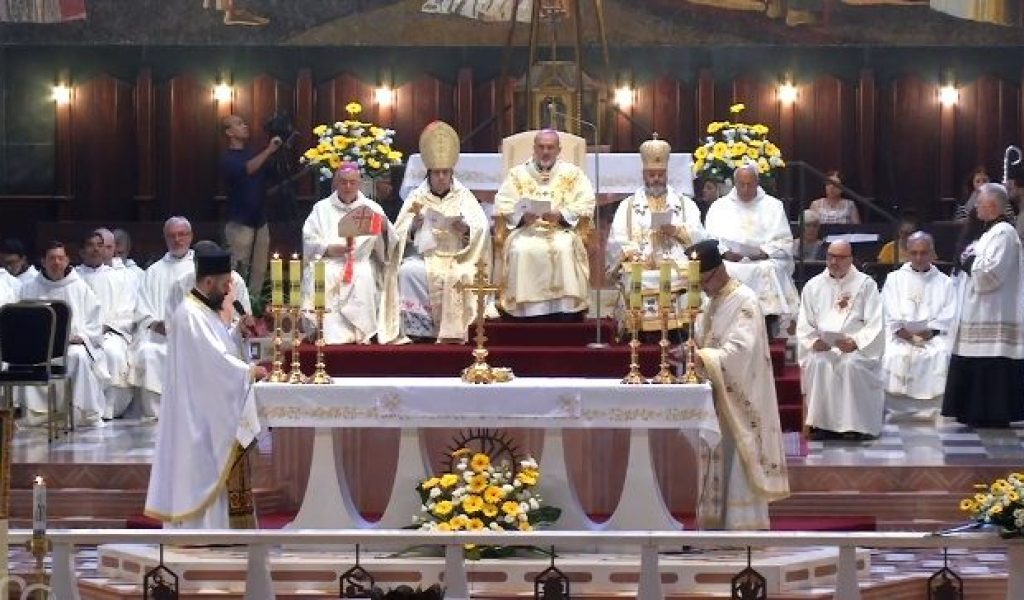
716 126
373 163
759 129
739 149
319 130
480 462
720 150
528 476
458 522
472 504
510 508
475 525
449 479
968 505
700 153
324 148
525 526
1012 496
762 165
376 131
490 510
461 452
737 108
312 154
494 495
334 162
753 152
364 141
771 149
353 108
432 482
394 156
443 508
995 510
442 527
477 483
698 166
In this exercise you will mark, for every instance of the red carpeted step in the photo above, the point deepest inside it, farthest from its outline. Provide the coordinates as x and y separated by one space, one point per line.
500 333
778 353
787 389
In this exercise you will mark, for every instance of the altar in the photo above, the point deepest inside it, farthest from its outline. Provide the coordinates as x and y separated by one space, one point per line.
549 404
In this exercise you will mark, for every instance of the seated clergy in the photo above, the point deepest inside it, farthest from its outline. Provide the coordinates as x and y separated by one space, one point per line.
652 226
115 291
920 309
756 242
86 364
239 291
353 264
839 344
442 233
543 203
152 312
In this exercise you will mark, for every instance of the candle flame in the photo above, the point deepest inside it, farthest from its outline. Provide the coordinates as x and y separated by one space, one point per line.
295 256
693 255
39 480
276 256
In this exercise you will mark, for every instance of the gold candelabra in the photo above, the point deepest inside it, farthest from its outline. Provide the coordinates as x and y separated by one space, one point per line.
634 376
664 375
277 374
320 375
480 371
296 375
39 546
691 349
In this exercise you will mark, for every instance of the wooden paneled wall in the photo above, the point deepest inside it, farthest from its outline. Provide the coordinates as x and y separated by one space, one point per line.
147 148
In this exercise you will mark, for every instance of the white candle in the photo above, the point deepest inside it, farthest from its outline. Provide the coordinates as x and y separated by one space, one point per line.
39 507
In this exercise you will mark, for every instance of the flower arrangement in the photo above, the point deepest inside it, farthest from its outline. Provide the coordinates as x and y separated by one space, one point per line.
733 144
478 496
999 504
354 141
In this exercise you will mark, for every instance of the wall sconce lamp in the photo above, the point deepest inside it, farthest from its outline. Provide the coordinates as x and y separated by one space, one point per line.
223 92
384 95
624 96
788 93
949 95
61 94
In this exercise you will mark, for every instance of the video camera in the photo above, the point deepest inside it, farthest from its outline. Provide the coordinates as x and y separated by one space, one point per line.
280 125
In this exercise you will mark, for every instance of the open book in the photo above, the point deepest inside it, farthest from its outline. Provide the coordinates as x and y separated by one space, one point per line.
660 218
742 249
830 337
912 326
439 220
360 221
533 205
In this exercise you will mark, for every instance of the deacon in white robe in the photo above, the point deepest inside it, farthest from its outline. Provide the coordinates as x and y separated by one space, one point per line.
756 241
122 248
151 313
10 282
354 265
115 291
209 415
442 233
654 225
15 261
747 470
85 362
840 340
545 268
920 310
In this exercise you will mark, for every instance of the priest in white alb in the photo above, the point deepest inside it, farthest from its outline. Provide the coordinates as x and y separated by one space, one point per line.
756 241
86 365
121 258
747 470
654 225
151 313
208 417
840 339
115 291
354 263
545 206
920 312
442 233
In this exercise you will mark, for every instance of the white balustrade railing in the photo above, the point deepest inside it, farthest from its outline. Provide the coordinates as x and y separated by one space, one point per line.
259 586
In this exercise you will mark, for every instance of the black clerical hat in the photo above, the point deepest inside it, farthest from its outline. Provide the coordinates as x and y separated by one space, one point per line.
707 253
211 259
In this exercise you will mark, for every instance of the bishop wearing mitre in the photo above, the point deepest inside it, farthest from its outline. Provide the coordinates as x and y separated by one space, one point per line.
542 206
441 234
355 253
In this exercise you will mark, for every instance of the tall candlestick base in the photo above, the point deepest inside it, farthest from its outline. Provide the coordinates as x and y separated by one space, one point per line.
691 376
296 375
320 376
277 374
38 546
480 371
634 376
664 375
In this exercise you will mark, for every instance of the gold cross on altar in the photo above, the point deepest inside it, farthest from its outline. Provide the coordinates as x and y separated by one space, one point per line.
480 371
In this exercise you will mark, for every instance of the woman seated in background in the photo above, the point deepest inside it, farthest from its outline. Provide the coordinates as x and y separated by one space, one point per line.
977 178
706 192
809 245
833 208
895 252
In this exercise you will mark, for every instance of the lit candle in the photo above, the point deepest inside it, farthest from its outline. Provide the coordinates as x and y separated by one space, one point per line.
39 507
295 281
276 280
319 283
693 283
665 289
635 285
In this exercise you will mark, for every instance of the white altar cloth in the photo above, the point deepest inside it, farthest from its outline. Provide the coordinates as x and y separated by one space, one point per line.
552 404
620 172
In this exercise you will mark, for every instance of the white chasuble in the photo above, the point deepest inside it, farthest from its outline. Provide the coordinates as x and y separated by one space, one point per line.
748 469
633 234
746 228
115 290
843 390
990 299
545 268
420 278
10 288
86 364
153 304
207 411
353 286
917 301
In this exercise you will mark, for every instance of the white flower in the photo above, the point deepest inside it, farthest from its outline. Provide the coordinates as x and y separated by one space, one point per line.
494 526
468 476
435 492
325 173
509 519
534 504
517 483
361 161
524 517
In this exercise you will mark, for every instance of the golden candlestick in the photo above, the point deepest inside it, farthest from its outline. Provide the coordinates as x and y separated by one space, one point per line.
634 376
39 546
277 374
480 371
691 350
665 375
296 376
320 375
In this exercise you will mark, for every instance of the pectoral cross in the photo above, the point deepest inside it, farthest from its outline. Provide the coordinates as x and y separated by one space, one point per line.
479 371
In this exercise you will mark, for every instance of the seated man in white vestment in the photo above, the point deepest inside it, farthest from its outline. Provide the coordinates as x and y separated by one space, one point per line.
546 271
748 468
183 286
151 313
920 310
85 362
654 225
15 261
122 249
208 418
354 265
840 340
442 233
756 242
115 291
